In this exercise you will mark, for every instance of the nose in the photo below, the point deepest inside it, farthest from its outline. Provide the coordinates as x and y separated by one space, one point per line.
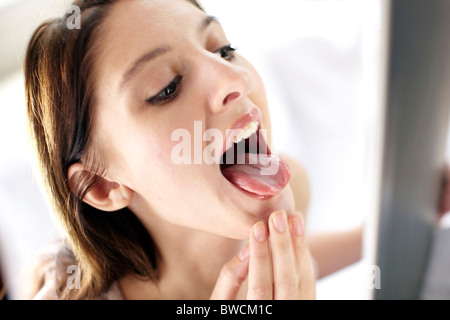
227 83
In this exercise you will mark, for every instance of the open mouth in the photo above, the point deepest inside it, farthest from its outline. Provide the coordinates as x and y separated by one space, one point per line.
251 167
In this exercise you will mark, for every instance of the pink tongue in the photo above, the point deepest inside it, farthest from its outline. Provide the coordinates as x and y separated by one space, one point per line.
263 175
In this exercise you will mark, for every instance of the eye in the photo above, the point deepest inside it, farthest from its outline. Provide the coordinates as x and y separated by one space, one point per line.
227 52
167 94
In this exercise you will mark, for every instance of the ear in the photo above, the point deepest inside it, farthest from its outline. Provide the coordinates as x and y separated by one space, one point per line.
105 195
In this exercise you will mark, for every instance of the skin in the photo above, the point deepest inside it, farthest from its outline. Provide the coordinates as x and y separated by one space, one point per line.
198 219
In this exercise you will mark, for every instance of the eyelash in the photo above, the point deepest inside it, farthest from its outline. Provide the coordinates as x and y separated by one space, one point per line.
227 52
172 90
167 94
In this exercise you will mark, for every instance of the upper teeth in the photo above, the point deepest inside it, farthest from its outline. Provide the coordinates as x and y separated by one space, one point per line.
246 132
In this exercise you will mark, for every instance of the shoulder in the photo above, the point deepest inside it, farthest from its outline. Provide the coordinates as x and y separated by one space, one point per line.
48 271
299 183
53 274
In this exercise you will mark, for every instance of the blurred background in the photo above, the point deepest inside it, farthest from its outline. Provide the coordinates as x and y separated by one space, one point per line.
318 60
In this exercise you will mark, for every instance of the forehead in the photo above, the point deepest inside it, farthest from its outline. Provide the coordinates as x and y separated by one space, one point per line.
134 26
136 22
131 15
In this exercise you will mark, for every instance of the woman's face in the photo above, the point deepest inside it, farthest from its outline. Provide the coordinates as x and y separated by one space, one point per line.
165 75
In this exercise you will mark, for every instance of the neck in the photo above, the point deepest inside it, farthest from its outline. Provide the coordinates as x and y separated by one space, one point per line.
190 262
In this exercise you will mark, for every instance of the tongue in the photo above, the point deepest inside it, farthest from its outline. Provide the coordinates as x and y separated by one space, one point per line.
261 174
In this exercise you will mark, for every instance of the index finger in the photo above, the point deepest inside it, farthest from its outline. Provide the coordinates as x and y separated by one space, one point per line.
231 277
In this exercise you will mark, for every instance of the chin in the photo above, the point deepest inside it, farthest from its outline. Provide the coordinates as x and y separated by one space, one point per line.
283 201
261 211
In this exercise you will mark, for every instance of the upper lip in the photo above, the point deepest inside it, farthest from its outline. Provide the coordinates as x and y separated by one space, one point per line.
239 124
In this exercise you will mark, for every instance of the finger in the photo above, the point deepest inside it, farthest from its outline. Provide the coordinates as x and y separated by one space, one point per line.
283 258
304 261
231 277
260 269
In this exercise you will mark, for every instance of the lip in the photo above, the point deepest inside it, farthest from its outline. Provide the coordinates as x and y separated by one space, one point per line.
254 195
239 124
252 114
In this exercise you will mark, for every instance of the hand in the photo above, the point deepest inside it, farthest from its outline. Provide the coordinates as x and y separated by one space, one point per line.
278 268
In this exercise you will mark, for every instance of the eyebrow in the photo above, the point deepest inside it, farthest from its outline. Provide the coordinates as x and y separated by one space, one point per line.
153 54
207 21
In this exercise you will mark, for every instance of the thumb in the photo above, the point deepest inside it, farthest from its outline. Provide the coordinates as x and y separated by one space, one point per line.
231 277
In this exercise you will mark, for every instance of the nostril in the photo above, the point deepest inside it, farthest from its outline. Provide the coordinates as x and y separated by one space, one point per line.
230 97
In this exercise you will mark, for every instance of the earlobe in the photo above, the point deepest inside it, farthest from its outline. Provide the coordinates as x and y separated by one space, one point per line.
104 195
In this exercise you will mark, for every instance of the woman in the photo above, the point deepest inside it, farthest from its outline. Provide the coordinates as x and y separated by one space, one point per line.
104 105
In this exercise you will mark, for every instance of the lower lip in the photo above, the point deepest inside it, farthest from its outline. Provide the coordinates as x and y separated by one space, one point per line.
252 195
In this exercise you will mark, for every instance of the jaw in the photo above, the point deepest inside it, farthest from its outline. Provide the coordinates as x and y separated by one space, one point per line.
243 210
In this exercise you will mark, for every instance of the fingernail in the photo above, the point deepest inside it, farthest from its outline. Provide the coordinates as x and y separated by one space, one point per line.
297 225
260 231
279 221
244 253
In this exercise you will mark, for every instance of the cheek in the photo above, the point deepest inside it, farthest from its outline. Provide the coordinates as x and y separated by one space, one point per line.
259 96
161 160
138 154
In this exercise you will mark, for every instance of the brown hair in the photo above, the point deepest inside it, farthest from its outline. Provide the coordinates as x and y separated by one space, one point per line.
59 84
